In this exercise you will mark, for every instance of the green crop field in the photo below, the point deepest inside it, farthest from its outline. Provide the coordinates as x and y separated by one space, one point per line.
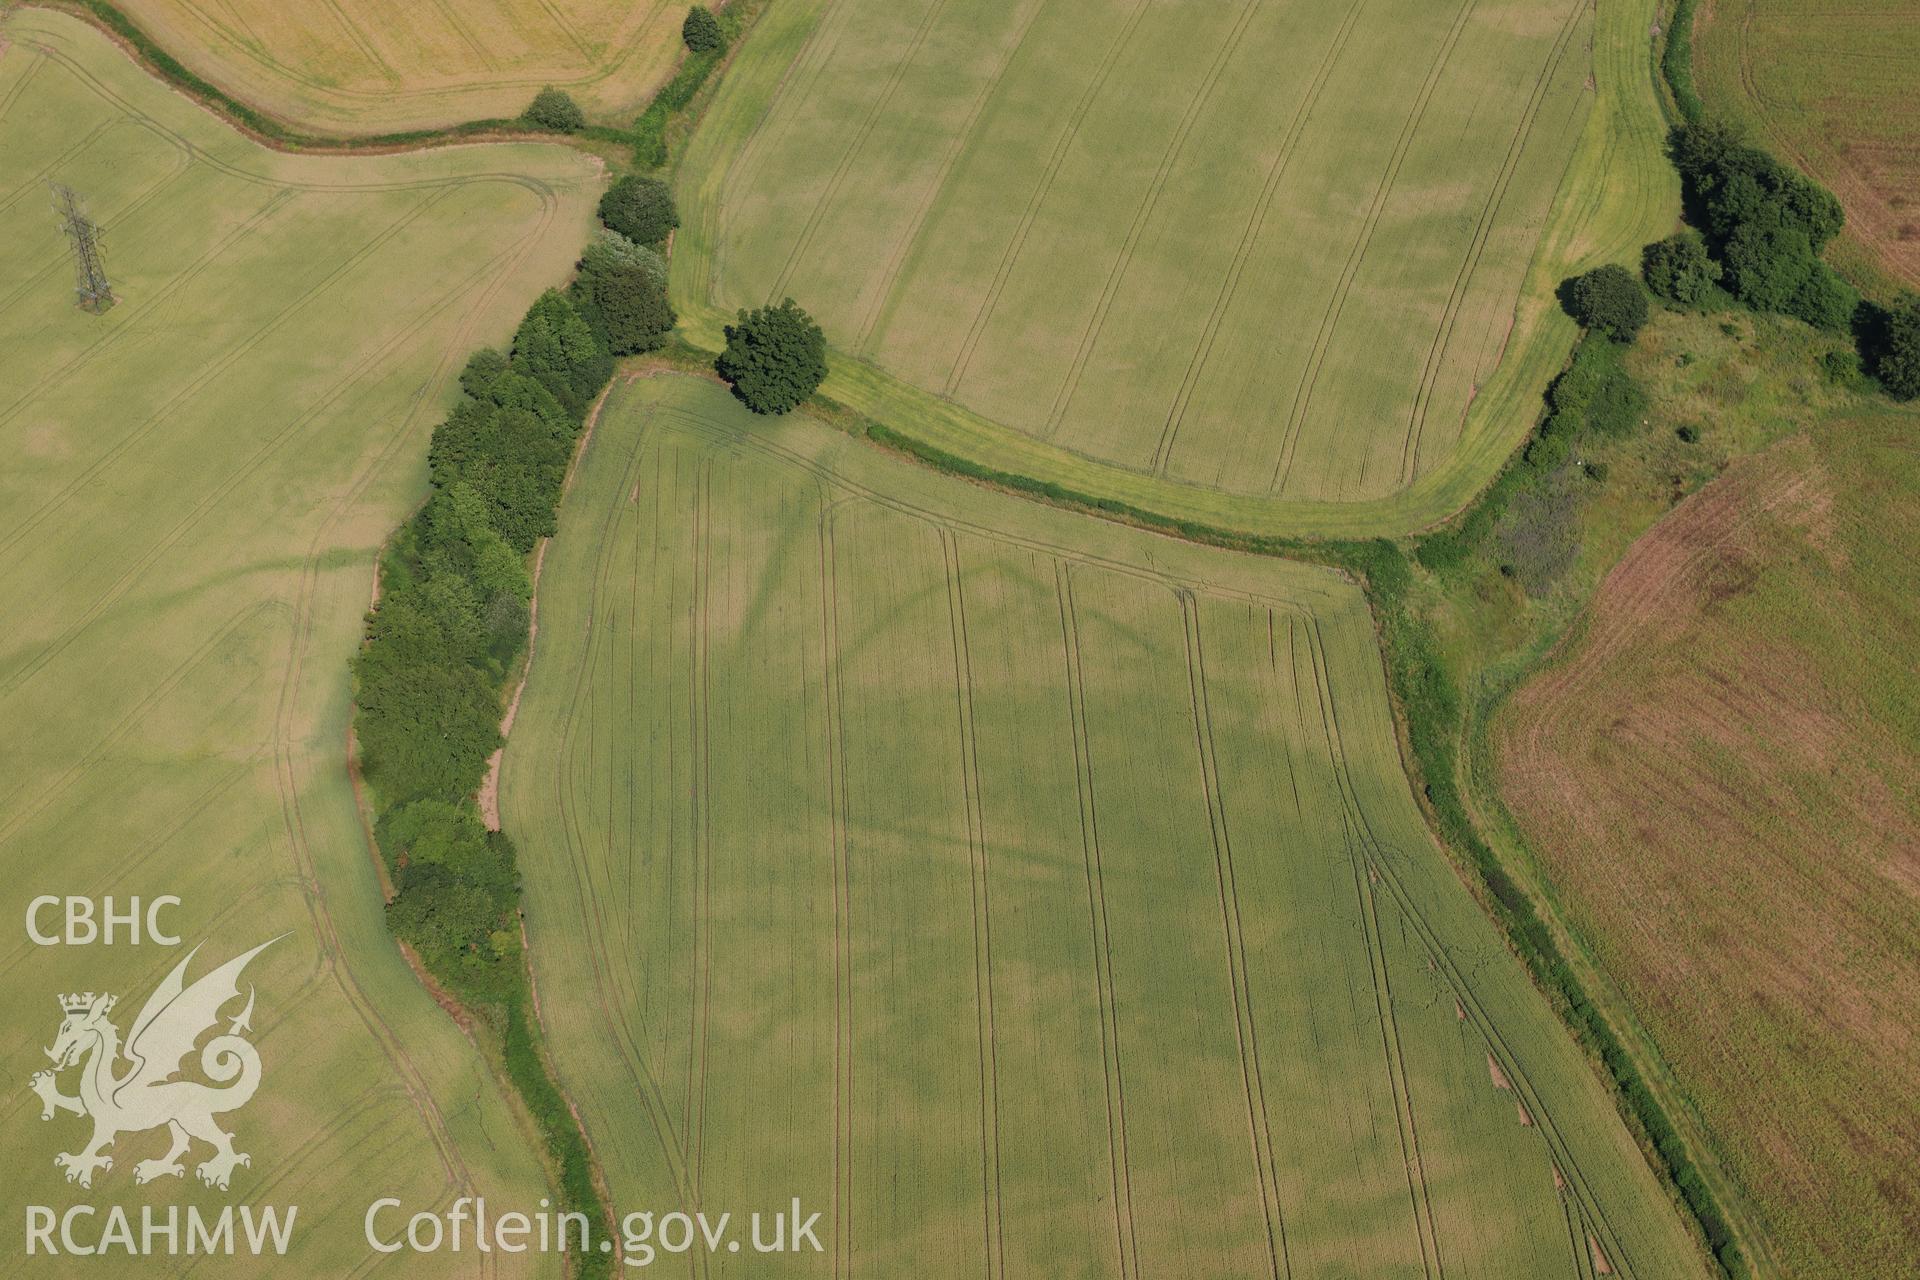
372 66
195 488
1026 894
1251 264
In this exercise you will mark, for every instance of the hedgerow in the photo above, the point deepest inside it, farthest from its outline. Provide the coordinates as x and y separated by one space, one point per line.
450 626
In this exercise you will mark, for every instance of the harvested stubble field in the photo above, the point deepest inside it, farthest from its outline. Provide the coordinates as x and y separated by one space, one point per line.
197 483
1833 86
381 66
1720 776
1027 894
1248 263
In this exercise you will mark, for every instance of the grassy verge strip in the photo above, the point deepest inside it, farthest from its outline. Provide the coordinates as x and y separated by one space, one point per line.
1676 62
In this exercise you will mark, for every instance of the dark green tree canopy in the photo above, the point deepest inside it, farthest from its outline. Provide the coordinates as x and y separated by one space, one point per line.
1824 300
483 366
635 311
1767 262
558 349
611 251
1897 362
1733 182
641 209
1766 223
1679 269
702 32
451 621
555 109
1610 300
775 357
622 292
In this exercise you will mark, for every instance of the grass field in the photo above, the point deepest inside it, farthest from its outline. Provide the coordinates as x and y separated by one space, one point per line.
1721 776
372 66
1247 264
1832 86
1029 895
196 486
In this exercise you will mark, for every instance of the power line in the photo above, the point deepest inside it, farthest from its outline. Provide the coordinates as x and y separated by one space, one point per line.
89 269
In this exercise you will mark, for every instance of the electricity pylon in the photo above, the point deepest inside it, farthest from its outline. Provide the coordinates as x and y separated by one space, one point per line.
89 271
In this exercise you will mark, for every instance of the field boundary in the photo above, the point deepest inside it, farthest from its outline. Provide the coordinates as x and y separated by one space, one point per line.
517 1048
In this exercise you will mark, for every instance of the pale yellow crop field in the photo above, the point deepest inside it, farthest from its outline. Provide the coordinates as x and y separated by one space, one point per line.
374 66
196 487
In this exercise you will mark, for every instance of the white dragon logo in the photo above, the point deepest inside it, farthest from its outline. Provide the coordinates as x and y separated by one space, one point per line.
147 1095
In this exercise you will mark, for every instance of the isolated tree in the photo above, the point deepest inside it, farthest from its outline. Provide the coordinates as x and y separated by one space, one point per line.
554 109
775 357
702 31
641 209
1610 300
1679 269
1897 363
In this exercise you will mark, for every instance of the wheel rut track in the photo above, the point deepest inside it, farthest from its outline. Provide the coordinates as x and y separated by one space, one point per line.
1249 237
836 753
211 502
1054 161
615 1011
854 145
1116 274
1381 860
1383 191
1126 1235
992 1197
963 140
1483 231
1246 1033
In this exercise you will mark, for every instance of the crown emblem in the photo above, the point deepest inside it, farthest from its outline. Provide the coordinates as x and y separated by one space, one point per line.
80 1002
